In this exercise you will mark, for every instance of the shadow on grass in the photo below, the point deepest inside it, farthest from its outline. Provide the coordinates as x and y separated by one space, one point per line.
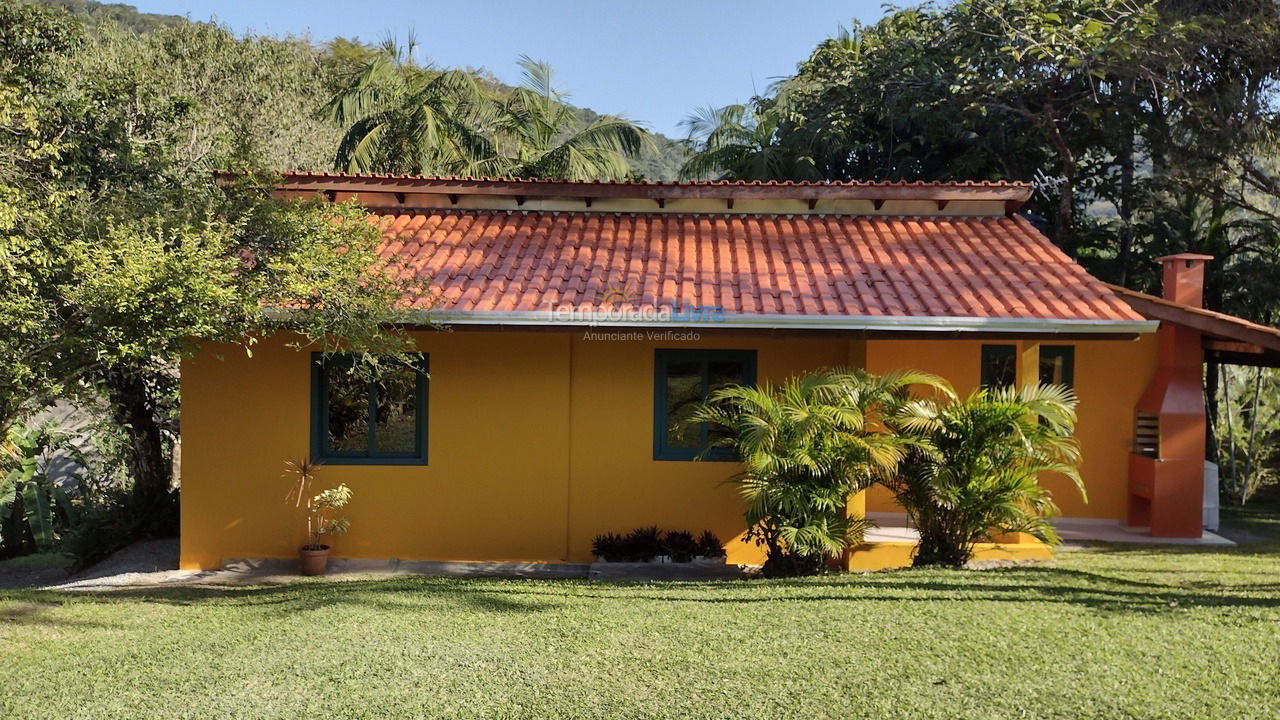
1016 585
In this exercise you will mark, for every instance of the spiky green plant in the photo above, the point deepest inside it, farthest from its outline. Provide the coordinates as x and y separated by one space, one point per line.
401 117
740 143
806 446
975 470
540 136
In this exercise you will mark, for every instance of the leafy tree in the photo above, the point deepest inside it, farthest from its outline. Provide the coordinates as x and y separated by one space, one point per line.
538 135
127 254
404 118
740 143
31 505
806 446
1249 431
975 467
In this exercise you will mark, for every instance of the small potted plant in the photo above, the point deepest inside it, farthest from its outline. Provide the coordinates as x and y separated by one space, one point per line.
321 507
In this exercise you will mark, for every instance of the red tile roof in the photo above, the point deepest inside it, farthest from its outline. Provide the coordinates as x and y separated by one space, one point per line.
453 179
766 270
1011 194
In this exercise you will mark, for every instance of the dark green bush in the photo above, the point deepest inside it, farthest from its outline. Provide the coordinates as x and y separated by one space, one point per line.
119 519
644 544
709 546
681 546
608 547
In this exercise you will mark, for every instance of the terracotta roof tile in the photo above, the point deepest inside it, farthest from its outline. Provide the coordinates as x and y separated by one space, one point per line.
802 265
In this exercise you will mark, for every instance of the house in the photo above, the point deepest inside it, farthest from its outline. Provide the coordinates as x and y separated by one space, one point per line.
584 316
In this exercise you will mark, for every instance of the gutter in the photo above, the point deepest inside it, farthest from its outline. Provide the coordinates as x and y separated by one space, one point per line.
803 322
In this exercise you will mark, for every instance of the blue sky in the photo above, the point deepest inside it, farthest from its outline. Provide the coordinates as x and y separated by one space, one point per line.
651 60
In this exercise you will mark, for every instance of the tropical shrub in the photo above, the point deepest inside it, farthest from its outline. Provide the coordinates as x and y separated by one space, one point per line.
33 509
608 547
681 546
320 516
321 507
709 546
645 544
974 467
806 446
642 544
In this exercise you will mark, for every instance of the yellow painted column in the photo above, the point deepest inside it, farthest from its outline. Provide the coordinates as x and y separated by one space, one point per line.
857 503
1028 363
1028 374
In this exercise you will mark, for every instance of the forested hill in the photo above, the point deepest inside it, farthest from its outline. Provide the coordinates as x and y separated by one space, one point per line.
660 162
126 16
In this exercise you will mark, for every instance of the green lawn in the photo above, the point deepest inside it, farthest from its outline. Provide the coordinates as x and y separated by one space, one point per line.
1126 632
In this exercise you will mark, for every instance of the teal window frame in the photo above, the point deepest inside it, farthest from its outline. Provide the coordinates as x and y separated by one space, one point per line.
1068 355
320 368
662 360
989 353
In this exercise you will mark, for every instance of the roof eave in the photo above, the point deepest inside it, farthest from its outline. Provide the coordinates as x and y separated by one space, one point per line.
871 323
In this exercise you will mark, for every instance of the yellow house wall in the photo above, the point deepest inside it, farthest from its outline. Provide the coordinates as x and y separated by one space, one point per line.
538 441
1110 375
494 487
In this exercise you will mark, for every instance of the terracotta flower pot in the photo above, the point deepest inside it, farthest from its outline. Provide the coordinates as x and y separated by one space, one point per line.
313 561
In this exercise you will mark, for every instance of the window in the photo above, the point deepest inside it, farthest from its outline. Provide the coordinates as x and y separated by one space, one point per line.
682 380
999 366
356 421
1058 365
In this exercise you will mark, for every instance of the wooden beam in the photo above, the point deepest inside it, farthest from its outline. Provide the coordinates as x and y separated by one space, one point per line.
1233 347
1221 326
1013 195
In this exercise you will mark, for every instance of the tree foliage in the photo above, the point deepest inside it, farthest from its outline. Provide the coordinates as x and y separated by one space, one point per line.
1146 127
806 446
974 469
121 250
401 117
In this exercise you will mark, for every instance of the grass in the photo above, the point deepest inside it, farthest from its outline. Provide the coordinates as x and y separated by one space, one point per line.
37 561
1126 632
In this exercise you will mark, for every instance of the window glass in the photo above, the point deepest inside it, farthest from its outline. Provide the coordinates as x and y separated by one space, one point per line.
1057 365
684 379
348 416
396 411
684 392
356 420
999 365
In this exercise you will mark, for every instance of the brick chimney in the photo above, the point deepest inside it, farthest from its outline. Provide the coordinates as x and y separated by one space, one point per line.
1166 471
1184 278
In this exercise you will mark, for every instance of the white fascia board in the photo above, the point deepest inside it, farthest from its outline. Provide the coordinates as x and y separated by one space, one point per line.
806 322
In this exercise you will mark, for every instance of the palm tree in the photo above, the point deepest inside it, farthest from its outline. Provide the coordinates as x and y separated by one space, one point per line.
740 143
806 446
976 467
404 118
540 136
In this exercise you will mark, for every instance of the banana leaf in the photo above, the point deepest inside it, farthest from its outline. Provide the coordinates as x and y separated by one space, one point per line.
35 500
